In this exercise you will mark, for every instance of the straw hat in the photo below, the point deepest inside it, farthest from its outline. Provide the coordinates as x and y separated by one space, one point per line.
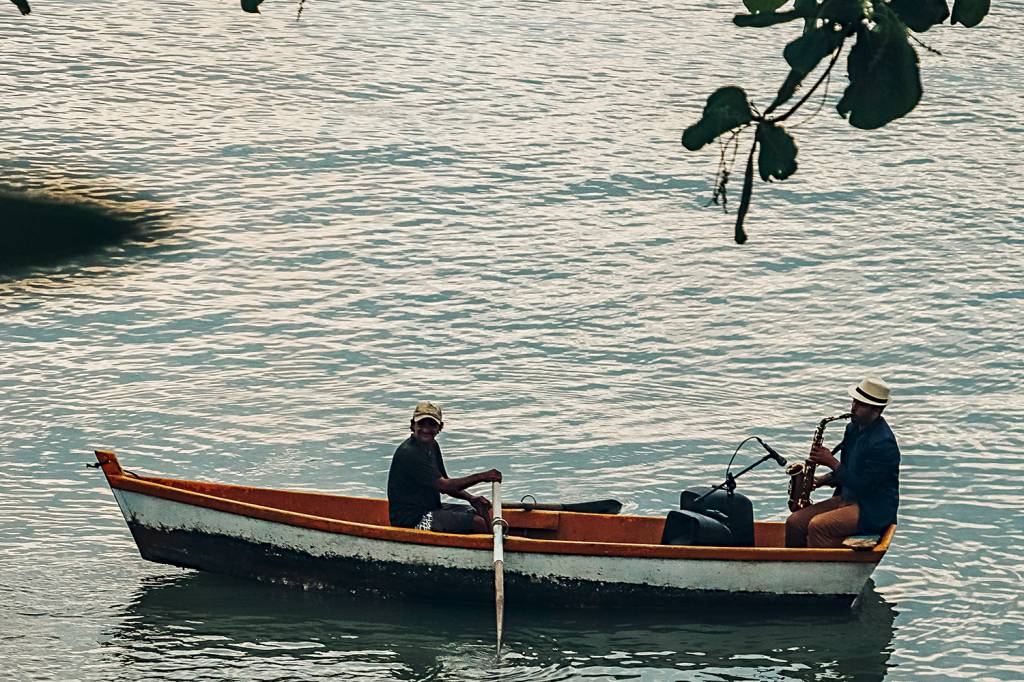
871 391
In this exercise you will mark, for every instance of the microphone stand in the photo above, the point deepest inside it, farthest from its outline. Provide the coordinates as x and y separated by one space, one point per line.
729 484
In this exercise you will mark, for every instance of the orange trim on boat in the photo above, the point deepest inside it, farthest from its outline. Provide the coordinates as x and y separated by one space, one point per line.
598 534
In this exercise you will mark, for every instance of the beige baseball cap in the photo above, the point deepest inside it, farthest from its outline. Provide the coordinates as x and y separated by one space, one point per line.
427 410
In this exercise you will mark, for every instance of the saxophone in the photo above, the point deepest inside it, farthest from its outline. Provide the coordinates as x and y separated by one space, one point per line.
801 474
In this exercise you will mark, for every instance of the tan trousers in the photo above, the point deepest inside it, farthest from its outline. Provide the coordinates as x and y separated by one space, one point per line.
823 524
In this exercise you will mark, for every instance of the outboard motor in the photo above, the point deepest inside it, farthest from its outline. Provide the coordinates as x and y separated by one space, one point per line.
718 518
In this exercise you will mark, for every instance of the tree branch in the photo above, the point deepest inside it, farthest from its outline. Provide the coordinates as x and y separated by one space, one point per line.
807 95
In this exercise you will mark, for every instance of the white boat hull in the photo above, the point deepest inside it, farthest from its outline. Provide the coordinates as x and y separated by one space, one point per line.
210 539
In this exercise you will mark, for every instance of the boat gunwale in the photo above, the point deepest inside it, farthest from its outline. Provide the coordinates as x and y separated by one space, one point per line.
139 484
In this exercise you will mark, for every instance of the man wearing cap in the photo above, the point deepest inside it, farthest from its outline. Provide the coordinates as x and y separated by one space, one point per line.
866 476
418 477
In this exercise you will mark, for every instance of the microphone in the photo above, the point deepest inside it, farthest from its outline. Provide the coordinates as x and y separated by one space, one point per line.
779 459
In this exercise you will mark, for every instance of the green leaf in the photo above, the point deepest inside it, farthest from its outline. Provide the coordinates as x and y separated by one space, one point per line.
739 234
804 53
920 15
844 11
765 19
969 12
726 108
885 82
806 8
756 6
777 158
787 89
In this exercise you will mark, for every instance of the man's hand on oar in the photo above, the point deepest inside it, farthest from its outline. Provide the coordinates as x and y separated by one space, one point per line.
489 476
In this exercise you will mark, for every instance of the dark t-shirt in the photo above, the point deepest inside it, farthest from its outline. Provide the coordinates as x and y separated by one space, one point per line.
411 494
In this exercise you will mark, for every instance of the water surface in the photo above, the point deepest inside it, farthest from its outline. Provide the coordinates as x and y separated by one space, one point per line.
486 204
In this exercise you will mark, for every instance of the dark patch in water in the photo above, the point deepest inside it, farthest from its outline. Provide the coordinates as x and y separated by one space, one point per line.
39 230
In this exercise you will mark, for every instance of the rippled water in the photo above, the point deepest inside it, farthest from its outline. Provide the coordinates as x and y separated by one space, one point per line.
486 204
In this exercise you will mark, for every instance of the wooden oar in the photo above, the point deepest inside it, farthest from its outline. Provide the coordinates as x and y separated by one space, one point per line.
594 507
497 525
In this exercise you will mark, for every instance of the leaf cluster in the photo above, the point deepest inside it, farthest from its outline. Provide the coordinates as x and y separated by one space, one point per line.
882 68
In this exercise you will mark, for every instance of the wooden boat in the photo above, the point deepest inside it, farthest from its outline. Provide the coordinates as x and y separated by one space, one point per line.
317 540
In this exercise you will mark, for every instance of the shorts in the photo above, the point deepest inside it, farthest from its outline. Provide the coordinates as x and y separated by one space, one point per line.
450 518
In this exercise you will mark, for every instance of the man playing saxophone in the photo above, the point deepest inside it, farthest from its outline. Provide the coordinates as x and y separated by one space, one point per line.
866 476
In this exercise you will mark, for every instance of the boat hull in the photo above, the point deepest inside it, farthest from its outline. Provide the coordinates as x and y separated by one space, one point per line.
193 536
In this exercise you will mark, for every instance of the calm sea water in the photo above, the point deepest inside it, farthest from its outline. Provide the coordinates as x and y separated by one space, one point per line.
486 204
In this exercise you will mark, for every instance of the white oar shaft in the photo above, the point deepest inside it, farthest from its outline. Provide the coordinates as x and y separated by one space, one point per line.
497 525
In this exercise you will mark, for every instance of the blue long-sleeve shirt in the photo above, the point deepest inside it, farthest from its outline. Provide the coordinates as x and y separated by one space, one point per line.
869 474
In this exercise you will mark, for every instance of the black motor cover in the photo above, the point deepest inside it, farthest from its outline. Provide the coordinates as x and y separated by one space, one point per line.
694 528
719 519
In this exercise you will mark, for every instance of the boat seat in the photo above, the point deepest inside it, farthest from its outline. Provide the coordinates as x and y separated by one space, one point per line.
862 542
540 520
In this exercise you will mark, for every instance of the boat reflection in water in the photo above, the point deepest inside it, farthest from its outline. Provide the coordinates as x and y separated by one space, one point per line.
202 626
